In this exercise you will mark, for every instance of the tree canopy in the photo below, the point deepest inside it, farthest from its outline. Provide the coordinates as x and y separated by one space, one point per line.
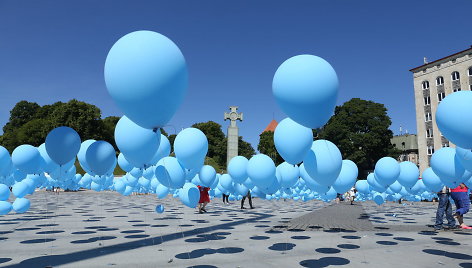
360 129
266 146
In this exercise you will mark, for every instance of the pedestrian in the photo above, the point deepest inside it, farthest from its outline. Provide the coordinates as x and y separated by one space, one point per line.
248 195
204 198
444 207
462 201
225 198
352 195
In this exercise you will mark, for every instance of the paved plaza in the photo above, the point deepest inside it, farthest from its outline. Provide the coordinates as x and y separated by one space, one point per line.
88 229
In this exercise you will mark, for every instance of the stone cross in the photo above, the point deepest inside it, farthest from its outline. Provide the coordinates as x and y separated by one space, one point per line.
233 132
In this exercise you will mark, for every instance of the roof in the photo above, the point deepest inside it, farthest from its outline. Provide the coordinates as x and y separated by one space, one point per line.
436 61
405 142
271 126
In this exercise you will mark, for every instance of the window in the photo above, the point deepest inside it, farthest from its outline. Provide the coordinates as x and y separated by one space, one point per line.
470 87
427 100
455 76
428 117
430 150
455 90
425 84
439 81
429 133
446 144
470 71
441 96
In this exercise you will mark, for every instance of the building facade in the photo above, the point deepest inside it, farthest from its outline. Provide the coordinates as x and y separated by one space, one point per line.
433 81
408 145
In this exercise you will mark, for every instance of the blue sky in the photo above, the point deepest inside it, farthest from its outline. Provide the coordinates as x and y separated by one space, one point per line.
55 50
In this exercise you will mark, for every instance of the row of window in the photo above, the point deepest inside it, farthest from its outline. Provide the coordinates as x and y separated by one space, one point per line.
430 149
455 76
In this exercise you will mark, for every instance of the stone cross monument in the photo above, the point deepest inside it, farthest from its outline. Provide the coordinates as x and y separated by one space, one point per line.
233 132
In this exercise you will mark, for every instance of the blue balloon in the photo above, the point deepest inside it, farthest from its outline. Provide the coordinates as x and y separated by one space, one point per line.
170 172
465 157
310 182
5 162
226 181
373 183
27 159
378 199
431 180
237 168
159 209
387 171
189 195
5 207
451 120
138 144
292 140
261 170
240 189
128 190
119 186
306 88
161 191
100 157
48 164
191 147
446 165
146 75
329 195
62 144
409 174
323 162
207 175
136 172
95 186
21 205
82 153
123 163
347 177
148 173
395 187
144 182
162 151
287 174
362 186
4 192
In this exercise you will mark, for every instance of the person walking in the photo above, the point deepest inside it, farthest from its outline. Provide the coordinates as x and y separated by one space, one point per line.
204 199
444 207
225 198
462 201
248 195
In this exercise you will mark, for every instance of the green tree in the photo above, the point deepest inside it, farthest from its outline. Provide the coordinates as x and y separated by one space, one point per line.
21 114
108 134
266 146
245 148
360 129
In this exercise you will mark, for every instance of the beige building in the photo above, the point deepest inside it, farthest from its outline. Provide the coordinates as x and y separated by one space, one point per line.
433 81
408 145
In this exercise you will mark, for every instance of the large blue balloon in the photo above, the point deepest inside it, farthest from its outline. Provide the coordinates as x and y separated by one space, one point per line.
48 164
261 170
347 177
81 155
191 147
292 140
138 144
362 186
431 180
311 183
4 192
21 205
189 195
161 191
323 162
123 163
446 165
386 171
465 157
101 157
5 207
27 159
409 174
454 120
306 88
287 174
207 175
374 185
226 181
237 168
5 162
395 187
170 172
62 144
146 75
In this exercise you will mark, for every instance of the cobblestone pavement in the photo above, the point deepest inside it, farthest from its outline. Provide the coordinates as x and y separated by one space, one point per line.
88 229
